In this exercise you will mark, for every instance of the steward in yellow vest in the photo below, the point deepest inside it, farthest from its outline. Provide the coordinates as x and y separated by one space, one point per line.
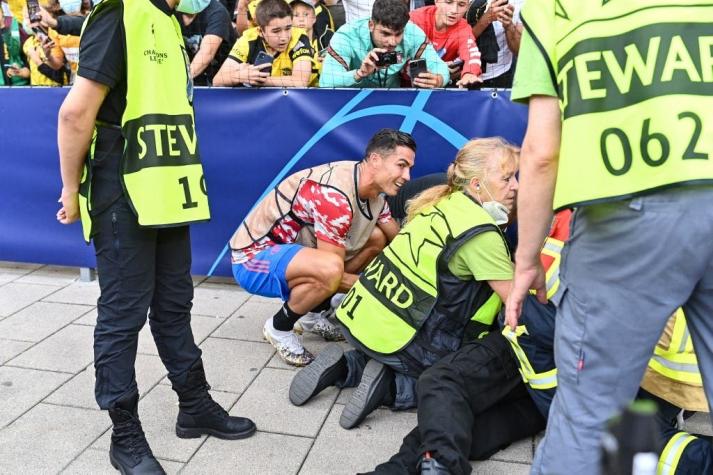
438 281
126 129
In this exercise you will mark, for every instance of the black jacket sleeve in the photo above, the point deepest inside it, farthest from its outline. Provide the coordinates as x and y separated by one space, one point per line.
69 25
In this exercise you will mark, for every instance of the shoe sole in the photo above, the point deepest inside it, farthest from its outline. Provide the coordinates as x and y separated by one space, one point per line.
305 382
353 413
196 432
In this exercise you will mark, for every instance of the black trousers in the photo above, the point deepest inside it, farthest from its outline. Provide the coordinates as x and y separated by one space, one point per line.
140 269
472 404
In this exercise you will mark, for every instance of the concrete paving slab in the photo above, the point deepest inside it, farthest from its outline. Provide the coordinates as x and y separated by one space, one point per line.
51 275
521 451
220 302
9 349
338 451
158 411
220 280
493 467
270 300
16 296
89 318
231 365
79 392
47 438
247 322
267 403
40 320
21 389
201 326
18 268
261 454
96 462
69 350
85 293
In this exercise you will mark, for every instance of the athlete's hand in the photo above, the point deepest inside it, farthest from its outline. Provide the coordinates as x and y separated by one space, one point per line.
69 212
257 75
528 275
467 80
428 80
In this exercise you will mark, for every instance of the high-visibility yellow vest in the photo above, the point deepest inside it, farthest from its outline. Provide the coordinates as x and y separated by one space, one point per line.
676 359
409 282
673 357
161 170
672 452
542 380
635 83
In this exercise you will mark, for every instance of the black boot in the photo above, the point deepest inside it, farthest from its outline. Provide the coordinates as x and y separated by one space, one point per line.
129 452
199 414
375 389
326 370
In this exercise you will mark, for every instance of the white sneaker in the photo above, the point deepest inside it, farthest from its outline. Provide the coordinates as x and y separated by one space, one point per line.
287 344
318 324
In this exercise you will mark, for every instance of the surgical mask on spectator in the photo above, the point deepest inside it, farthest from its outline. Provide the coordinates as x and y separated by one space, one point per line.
498 211
192 6
70 7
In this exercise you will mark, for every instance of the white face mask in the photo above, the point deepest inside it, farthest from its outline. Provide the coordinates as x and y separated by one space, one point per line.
498 211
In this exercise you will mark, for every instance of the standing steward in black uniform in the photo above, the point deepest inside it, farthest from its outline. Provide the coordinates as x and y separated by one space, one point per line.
131 169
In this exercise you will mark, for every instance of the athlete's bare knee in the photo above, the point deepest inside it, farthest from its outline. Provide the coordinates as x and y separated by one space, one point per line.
331 269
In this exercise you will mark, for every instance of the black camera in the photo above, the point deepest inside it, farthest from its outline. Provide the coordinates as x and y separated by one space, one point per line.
387 58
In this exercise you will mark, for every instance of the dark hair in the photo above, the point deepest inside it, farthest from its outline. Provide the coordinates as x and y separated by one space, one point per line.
392 14
268 10
386 140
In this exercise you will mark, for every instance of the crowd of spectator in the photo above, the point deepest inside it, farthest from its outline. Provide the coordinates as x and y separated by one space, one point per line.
292 43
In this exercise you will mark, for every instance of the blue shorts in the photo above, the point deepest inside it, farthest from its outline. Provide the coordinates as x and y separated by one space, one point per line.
264 274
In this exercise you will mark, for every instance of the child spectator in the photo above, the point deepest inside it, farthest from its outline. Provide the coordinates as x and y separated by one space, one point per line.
373 52
452 38
287 50
246 16
303 16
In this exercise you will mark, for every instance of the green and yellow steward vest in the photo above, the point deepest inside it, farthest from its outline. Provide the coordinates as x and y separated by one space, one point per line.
409 282
161 170
635 83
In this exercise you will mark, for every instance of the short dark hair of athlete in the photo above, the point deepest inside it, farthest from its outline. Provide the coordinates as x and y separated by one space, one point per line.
385 141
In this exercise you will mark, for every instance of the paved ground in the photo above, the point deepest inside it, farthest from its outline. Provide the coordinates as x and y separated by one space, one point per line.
49 422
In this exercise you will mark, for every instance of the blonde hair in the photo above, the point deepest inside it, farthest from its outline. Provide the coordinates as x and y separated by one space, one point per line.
472 161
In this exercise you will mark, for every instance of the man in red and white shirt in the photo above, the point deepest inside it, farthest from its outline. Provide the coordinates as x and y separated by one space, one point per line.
451 37
315 232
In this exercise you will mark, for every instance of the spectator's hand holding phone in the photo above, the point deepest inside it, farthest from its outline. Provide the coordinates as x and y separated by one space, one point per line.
454 68
47 19
497 11
506 14
258 74
427 80
69 212
468 79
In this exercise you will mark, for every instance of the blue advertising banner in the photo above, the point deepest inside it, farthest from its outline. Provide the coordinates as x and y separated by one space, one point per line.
249 140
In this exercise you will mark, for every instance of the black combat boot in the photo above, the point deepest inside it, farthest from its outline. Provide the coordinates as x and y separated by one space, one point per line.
130 453
199 414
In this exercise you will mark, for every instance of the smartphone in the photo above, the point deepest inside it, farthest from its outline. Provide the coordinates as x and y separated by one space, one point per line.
33 10
416 67
263 58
